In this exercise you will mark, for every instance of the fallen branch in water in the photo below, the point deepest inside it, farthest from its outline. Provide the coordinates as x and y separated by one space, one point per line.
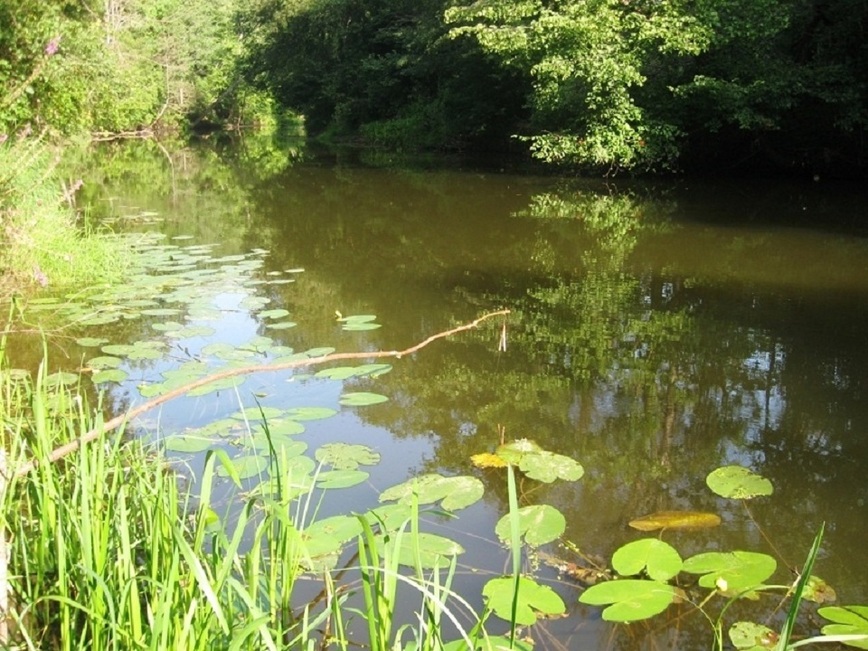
93 434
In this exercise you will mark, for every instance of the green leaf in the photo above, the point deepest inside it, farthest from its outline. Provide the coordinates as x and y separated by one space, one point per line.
282 427
359 327
540 464
310 413
737 570
343 456
245 467
657 558
109 375
104 361
258 413
188 443
433 550
675 520
341 478
455 492
281 325
217 385
534 599
358 318
737 482
61 378
539 524
274 314
631 599
818 591
342 372
848 620
748 636
362 399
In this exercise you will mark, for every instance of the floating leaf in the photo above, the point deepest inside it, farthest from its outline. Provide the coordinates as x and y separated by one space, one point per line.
818 591
188 443
737 482
258 413
488 460
739 570
217 385
319 352
245 467
343 456
274 314
61 378
540 464
90 342
161 311
281 325
327 536
310 413
848 620
338 372
361 399
341 478
455 492
748 636
429 549
658 559
675 520
109 375
631 599
358 318
539 524
285 448
104 361
282 427
533 599
359 327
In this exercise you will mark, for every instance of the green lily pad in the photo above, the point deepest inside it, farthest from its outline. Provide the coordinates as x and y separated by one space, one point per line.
188 443
534 600
322 351
217 385
258 413
731 572
847 620
736 482
274 314
61 379
341 372
104 361
657 558
539 524
310 413
109 375
362 399
433 550
675 520
281 325
358 318
245 466
453 492
630 600
161 311
281 427
540 464
748 636
818 591
341 478
329 535
343 456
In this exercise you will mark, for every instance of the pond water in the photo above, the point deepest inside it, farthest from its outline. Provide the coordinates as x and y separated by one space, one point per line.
657 332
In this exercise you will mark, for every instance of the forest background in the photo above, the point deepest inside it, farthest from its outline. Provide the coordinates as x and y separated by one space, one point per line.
593 85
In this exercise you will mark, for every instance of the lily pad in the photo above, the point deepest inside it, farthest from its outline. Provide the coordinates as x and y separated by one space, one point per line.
737 482
359 327
731 572
658 559
274 314
429 549
540 464
109 375
341 372
322 351
217 385
362 399
281 325
818 591
188 443
534 600
104 362
245 467
847 620
310 413
675 520
539 524
630 600
343 456
281 427
453 492
748 636
61 379
258 413
341 478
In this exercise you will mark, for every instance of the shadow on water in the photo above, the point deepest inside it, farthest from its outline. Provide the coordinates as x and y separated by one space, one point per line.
658 332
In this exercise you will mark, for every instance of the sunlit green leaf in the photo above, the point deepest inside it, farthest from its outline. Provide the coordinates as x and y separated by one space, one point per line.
246 466
737 482
818 591
361 399
188 443
281 325
455 492
319 352
109 375
534 600
847 620
359 327
731 572
429 549
258 413
748 636
344 456
217 385
274 314
630 599
540 464
658 559
310 413
281 427
341 478
539 524
104 362
61 378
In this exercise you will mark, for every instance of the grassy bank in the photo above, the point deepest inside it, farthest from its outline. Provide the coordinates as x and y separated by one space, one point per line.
45 240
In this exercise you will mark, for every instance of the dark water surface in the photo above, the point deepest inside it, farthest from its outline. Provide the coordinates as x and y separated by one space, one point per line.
658 331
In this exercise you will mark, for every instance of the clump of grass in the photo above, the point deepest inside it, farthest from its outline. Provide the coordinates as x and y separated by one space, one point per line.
42 238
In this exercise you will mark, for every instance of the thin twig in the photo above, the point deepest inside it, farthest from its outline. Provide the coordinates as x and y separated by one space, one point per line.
93 434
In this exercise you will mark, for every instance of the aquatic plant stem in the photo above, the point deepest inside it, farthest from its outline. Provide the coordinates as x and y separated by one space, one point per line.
93 434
